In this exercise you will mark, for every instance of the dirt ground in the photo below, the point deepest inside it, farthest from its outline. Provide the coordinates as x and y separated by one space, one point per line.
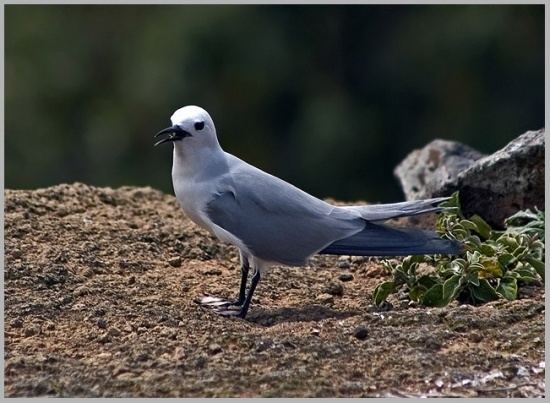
100 287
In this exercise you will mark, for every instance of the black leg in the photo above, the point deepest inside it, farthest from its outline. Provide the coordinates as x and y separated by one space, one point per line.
253 284
244 277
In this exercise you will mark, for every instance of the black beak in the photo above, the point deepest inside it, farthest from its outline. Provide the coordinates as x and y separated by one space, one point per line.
175 133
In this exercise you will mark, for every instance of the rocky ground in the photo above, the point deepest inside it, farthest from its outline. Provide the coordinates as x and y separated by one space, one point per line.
100 287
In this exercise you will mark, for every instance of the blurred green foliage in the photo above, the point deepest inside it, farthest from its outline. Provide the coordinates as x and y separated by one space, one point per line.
330 98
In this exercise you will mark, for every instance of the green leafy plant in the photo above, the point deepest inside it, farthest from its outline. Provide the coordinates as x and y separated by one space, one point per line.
493 265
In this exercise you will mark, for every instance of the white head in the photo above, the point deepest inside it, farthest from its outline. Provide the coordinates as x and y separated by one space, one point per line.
192 128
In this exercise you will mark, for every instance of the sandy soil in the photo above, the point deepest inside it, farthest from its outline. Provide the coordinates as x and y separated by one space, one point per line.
100 287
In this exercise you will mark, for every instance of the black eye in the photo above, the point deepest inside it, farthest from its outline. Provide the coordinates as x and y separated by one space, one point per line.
199 125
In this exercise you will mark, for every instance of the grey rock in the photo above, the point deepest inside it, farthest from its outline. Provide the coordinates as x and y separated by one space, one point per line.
425 171
511 179
494 186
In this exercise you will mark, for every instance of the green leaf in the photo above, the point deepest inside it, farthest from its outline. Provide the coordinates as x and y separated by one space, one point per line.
508 288
382 291
473 278
487 250
451 287
427 281
491 268
509 242
483 228
537 264
506 259
416 293
485 292
469 225
526 275
434 296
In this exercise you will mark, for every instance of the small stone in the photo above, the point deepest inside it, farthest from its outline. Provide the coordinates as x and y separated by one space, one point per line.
88 272
433 344
214 348
315 332
114 332
104 338
175 261
334 289
263 345
476 337
213 272
345 277
102 323
32 330
16 323
325 298
131 280
343 264
120 370
361 333
522 372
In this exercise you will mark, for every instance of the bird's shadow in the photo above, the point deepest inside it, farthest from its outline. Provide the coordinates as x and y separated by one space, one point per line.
308 313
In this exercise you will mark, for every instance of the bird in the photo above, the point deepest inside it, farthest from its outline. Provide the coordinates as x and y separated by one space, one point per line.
271 221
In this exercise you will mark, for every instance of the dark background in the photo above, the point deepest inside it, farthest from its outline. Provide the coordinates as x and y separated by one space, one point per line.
330 98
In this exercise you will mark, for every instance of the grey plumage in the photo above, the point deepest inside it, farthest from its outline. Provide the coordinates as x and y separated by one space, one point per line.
382 212
277 221
282 224
383 240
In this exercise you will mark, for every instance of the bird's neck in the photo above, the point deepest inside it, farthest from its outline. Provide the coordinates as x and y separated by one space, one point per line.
205 161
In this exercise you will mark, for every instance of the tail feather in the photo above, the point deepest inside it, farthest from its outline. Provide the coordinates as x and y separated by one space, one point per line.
383 240
382 212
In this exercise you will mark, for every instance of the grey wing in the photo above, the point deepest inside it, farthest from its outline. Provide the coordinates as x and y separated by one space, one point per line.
382 212
276 221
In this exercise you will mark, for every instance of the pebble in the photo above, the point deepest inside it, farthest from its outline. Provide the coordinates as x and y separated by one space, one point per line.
16 323
114 332
104 338
334 289
345 277
522 372
32 330
102 323
325 298
175 261
476 337
263 345
343 264
361 333
214 348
